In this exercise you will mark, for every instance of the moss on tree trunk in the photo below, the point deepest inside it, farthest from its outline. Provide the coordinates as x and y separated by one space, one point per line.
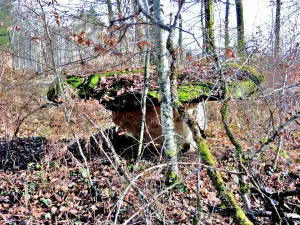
224 194
209 26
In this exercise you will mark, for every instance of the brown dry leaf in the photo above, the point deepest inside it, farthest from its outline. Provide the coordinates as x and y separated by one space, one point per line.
54 210
204 192
74 211
57 198
64 209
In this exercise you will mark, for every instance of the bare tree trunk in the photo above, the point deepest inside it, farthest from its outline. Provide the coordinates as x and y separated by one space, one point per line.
168 128
110 11
119 7
277 29
281 110
138 31
146 82
227 12
204 33
240 26
209 26
180 34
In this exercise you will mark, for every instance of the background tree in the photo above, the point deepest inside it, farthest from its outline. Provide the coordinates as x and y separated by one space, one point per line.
240 26
277 28
180 34
110 11
227 12
209 26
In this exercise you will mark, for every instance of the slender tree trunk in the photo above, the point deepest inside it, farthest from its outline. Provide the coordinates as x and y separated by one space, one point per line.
119 7
122 33
203 24
227 12
240 26
168 128
209 26
138 31
277 29
146 82
110 10
244 188
281 111
180 34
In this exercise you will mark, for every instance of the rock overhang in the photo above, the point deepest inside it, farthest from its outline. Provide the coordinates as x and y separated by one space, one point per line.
121 90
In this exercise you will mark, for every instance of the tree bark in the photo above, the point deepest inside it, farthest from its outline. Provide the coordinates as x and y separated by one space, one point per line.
204 152
227 12
209 26
277 28
146 82
110 11
240 26
138 31
168 128
119 7
180 34
224 193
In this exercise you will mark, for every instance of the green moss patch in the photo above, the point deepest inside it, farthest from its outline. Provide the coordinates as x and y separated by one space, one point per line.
118 72
187 92
113 86
254 75
192 91
93 81
244 88
76 82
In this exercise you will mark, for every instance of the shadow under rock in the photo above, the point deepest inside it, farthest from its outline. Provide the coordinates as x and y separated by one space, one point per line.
18 153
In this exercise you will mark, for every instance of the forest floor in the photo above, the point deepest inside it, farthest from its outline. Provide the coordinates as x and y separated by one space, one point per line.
52 187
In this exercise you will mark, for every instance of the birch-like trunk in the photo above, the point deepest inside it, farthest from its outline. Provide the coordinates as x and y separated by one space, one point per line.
168 128
202 14
146 81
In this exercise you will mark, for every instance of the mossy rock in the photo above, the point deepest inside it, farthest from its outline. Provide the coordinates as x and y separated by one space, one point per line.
243 88
54 91
188 92
87 86
250 82
123 93
254 75
119 72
